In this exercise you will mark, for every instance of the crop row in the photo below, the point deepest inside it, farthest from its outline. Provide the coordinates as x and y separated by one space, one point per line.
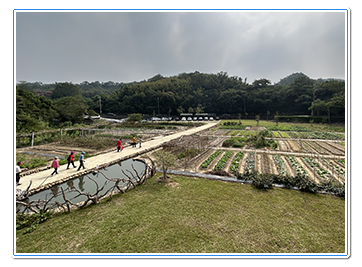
250 163
221 163
280 165
337 169
296 166
207 162
309 135
234 167
316 166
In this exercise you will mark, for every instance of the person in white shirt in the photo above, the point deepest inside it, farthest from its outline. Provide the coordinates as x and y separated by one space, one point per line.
18 171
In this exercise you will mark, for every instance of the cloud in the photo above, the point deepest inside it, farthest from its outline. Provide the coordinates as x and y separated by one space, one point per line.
132 46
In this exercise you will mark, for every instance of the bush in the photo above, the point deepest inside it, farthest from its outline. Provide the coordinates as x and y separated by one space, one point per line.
305 184
235 142
333 187
302 119
262 181
31 221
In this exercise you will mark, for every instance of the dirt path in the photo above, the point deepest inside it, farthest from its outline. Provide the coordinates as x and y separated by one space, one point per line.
288 167
308 169
273 164
229 161
243 162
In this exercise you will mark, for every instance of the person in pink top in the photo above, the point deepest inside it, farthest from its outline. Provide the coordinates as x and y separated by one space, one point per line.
55 165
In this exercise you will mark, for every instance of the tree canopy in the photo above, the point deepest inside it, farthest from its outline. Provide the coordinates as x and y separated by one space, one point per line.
218 93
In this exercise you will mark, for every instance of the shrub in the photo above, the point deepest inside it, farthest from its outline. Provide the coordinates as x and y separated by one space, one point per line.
333 187
31 221
262 181
305 184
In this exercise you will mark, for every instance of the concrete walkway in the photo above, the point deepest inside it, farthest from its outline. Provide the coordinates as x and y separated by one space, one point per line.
43 177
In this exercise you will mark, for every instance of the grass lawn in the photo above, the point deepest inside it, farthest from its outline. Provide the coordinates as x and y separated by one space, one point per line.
319 127
193 215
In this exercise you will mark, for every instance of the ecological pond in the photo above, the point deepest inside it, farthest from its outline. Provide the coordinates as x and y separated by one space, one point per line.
91 187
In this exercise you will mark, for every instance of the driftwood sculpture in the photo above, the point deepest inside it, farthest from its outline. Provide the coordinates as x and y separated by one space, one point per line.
119 185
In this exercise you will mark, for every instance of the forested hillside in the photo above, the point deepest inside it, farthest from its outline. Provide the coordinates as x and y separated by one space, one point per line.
220 93
195 92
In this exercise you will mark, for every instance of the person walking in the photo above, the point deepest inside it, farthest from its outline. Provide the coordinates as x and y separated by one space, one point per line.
55 165
119 145
71 160
134 141
81 161
18 171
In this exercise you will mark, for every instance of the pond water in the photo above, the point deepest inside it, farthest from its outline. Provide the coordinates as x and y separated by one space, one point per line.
85 185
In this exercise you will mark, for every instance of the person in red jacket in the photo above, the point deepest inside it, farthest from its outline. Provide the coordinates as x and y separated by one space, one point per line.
55 165
119 145
71 160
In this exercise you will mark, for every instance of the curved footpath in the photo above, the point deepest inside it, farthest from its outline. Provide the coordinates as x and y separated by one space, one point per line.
43 177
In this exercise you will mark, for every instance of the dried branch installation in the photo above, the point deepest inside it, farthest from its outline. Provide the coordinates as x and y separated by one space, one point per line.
67 203
21 195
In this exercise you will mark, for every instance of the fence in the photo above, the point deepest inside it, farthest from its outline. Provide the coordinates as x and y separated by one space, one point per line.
48 136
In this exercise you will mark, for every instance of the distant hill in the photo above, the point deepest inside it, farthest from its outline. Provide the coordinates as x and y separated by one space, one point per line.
320 80
290 78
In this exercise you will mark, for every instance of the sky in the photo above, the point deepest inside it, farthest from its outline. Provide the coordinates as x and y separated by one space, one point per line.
123 46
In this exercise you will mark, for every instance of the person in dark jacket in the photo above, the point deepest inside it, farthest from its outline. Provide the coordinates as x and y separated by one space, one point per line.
71 160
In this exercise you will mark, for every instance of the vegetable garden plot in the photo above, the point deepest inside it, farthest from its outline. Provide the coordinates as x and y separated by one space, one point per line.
234 166
266 164
319 172
250 163
294 135
222 162
284 134
294 145
297 167
241 133
312 147
336 150
280 165
210 159
282 145
336 172
337 145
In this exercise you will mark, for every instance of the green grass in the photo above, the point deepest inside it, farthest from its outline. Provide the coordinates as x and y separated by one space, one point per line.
311 127
196 216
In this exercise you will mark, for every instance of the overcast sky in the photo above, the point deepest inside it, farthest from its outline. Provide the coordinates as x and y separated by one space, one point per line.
134 46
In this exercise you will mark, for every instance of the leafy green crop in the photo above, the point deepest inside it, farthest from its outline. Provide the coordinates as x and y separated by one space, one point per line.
207 162
221 164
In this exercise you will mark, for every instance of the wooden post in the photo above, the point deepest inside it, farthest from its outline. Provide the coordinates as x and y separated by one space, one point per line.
32 139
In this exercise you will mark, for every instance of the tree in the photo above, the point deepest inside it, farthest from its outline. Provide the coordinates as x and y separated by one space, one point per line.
165 160
135 117
65 89
71 108
33 113
257 118
318 106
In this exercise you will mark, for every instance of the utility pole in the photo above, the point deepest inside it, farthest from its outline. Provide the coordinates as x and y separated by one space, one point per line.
100 105
158 104
314 91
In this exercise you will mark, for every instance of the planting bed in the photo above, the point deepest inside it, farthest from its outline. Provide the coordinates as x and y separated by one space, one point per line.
297 153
